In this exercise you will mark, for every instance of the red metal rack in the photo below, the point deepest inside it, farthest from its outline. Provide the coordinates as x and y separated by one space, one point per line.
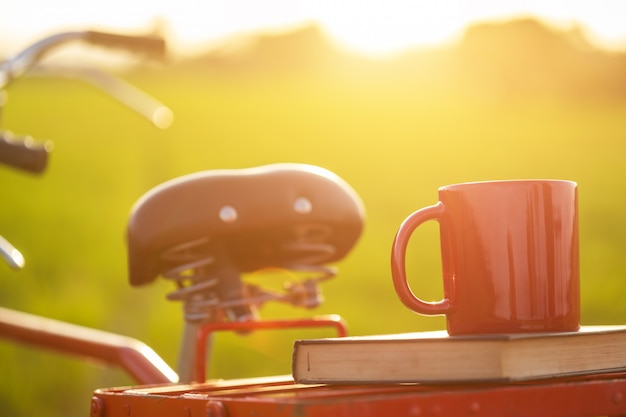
597 395
332 320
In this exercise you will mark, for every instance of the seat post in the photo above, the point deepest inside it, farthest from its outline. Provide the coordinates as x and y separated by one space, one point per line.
210 305
187 351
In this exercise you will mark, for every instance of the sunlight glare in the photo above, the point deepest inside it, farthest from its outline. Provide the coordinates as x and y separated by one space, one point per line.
213 21
367 26
382 28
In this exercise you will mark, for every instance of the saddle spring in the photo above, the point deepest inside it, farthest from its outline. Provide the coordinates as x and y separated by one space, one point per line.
213 291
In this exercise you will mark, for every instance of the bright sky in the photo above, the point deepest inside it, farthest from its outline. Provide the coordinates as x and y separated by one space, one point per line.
375 27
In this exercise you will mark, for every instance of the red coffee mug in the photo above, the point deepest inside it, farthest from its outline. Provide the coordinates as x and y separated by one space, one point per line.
510 257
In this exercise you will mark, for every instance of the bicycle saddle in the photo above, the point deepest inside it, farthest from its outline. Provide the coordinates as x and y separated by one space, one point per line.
262 217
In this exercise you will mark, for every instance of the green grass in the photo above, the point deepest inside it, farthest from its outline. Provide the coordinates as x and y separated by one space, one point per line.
393 144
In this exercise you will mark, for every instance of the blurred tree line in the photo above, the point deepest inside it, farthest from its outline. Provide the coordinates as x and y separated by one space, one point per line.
496 59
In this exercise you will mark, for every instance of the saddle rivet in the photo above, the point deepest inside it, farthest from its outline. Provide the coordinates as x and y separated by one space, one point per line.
228 214
302 205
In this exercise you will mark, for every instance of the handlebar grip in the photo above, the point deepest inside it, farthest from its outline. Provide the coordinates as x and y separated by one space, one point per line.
24 153
153 46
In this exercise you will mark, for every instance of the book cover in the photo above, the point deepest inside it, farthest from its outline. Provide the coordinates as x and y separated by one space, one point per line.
436 357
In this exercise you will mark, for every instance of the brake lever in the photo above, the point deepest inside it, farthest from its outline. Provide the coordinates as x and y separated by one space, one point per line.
134 98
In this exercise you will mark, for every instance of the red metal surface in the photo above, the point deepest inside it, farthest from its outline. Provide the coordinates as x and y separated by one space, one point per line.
600 395
136 358
332 320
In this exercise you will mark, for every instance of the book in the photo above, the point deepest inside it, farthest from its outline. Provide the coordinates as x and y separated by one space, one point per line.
435 357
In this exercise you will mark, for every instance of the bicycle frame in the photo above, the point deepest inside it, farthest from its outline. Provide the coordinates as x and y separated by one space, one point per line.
136 358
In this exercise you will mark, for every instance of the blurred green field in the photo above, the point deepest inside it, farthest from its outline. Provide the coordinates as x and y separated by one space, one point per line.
393 143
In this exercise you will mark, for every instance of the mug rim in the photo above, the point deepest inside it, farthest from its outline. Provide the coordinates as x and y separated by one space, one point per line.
505 182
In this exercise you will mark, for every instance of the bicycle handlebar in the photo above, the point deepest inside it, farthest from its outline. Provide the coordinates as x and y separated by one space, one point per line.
26 154
23 153
15 67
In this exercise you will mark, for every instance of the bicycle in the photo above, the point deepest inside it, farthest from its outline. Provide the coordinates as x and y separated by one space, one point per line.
206 248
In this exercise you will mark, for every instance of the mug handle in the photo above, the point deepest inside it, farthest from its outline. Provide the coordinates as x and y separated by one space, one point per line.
398 261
